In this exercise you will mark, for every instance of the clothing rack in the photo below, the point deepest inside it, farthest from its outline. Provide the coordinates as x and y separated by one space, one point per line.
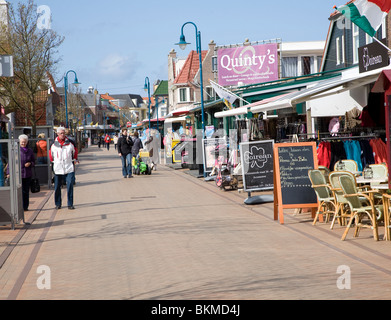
351 137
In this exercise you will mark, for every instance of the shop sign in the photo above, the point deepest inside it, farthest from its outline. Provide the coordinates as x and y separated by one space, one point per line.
247 64
372 56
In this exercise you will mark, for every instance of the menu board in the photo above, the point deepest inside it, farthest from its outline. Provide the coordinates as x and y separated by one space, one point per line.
292 184
257 165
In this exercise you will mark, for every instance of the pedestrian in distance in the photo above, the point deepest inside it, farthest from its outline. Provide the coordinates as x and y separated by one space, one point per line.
125 144
63 153
27 162
41 149
107 141
137 144
99 141
115 140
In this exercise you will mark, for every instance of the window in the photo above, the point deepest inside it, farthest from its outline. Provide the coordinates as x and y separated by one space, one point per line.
307 65
210 94
214 64
356 42
338 50
289 67
183 94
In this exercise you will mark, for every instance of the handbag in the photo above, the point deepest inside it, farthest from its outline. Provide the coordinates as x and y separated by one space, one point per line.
34 184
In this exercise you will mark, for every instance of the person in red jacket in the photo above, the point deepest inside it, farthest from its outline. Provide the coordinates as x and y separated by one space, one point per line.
107 141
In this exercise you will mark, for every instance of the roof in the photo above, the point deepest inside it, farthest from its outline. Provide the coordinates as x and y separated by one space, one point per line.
129 99
162 89
190 68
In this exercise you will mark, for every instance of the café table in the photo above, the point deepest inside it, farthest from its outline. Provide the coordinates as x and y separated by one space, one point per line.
363 180
382 188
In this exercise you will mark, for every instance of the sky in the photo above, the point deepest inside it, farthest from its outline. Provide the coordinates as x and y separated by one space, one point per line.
114 45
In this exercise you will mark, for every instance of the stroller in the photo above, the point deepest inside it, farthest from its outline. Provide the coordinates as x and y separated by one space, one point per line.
142 163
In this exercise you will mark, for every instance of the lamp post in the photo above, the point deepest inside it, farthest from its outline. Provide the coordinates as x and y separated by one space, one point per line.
147 89
182 44
76 82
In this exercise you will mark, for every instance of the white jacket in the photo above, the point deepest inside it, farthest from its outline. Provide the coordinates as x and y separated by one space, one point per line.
62 156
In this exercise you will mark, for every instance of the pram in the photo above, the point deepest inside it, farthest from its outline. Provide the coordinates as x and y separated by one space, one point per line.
142 163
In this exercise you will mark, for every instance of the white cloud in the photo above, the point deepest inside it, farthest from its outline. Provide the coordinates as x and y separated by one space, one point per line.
117 67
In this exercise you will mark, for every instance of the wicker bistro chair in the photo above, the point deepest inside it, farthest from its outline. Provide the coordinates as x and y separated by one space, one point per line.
349 165
342 210
387 216
325 171
326 204
360 210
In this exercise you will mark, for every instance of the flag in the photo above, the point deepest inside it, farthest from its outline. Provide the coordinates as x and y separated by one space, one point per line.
224 93
366 14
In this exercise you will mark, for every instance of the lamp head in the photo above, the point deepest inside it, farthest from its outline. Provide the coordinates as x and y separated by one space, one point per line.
182 42
76 82
145 87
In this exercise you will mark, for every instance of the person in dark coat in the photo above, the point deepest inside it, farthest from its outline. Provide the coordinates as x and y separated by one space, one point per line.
27 162
125 144
137 144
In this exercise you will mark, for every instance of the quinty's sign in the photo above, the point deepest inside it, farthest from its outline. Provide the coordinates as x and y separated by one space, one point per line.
248 64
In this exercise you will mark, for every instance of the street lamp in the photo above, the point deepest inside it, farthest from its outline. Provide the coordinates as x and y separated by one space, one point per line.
182 44
147 89
76 83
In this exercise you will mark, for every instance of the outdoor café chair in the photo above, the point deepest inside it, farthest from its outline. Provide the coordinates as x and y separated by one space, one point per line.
324 195
342 210
361 212
387 216
347 165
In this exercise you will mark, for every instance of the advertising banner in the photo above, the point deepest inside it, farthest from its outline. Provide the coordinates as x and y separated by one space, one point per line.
248 64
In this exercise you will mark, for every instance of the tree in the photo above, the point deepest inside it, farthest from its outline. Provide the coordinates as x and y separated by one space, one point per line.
33 49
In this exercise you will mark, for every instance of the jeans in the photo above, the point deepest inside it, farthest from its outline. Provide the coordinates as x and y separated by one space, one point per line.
127 165
69 178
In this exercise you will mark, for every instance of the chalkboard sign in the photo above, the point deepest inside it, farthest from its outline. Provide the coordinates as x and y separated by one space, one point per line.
257 165
292 184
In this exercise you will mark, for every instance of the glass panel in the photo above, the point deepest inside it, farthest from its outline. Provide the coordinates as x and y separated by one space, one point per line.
4 170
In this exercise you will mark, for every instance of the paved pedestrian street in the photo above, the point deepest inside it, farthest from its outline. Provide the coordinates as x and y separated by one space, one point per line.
172 236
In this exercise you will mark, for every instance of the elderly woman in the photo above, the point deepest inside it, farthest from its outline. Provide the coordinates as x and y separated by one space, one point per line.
27 161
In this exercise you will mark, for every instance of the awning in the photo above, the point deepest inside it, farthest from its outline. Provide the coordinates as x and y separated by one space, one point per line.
177 119
383 82
153 120
322 89
180 111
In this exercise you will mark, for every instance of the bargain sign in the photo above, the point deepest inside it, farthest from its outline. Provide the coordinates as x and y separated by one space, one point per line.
248 64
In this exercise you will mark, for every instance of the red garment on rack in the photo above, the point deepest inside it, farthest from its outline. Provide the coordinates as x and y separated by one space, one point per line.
324 154
379 150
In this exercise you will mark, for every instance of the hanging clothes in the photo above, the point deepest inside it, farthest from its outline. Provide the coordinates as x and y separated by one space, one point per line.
324 154
379 150
366 153
353 152
334 125
337 153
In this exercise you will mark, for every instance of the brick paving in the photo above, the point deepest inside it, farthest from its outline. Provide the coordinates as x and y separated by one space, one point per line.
173 236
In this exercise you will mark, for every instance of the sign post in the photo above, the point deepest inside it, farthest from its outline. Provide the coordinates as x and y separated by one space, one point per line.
257 169
292 186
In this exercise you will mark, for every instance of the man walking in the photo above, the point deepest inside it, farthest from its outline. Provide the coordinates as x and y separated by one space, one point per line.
125 144
62 154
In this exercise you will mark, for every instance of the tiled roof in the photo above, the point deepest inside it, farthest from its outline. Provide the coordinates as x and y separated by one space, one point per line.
336 12
190 68
162 89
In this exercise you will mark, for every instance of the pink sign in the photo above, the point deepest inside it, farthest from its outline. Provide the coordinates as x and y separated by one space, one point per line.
248 64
